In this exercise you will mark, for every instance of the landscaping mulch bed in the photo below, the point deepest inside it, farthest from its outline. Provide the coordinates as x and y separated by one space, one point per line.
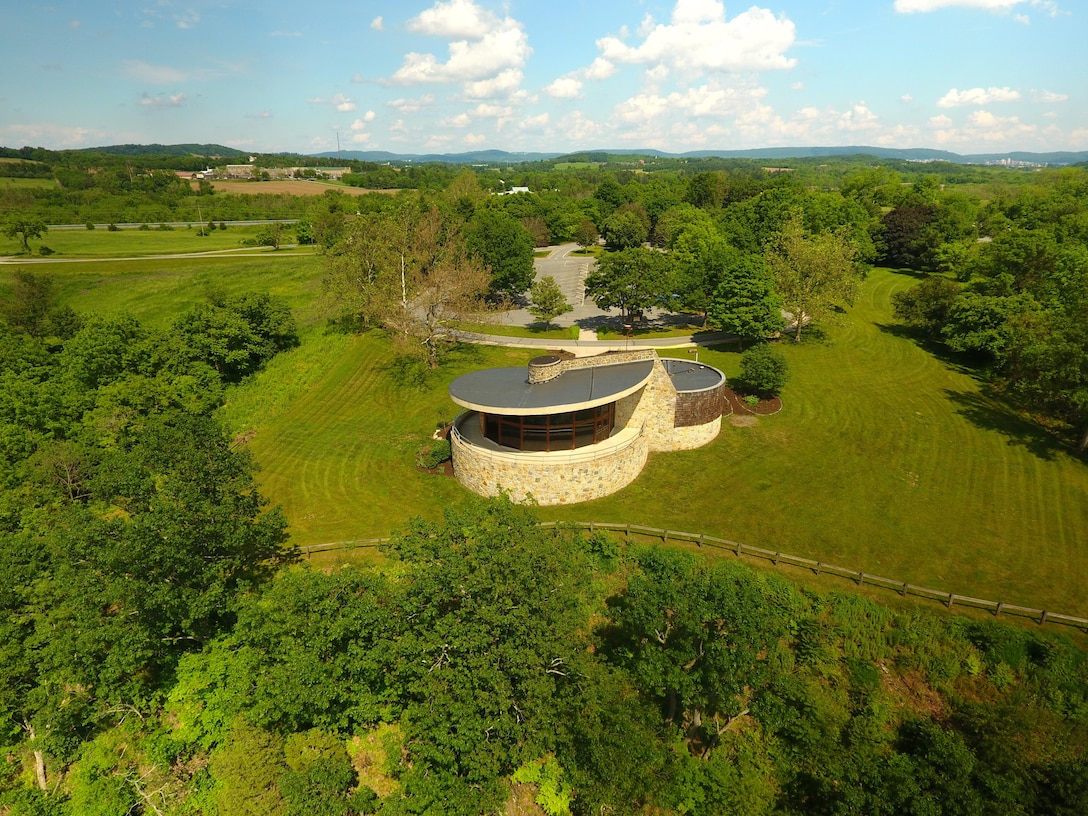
445 469
766 407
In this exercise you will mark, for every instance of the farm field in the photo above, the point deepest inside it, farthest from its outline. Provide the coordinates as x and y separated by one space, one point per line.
290 187
133 243
884 459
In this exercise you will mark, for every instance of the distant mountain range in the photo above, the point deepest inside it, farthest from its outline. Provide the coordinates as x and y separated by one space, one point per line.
911 154
504 157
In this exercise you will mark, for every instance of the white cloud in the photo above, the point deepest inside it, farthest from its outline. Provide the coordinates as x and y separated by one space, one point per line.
710 100
155 74
404 106
377 24
535 122
906 98
858 118
360 138
340 102
1050 96
482 45
60 135
162 101
502 84
1001 6
701 39
361 123
977 96
188 19
981 126
74 24
579 129
566 87
474 138
461 120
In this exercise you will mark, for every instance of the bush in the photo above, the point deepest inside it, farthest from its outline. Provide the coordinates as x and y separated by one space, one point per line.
44 250
143 227
90 225
433 453
112 227
763 369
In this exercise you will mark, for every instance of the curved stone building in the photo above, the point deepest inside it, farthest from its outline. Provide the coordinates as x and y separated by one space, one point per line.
570 430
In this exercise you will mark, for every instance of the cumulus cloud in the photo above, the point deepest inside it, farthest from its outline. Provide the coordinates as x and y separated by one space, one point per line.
710 100
483 45
570 85
340 102
502 84
155 74
188 19
361 123
377 24
461 120
61 135
977 96
1050 96
981 126
566 87
163 101
1001 6
700 38
404 106
475 138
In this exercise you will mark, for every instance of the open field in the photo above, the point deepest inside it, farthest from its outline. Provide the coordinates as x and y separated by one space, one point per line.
156 289
131 243
290 187
884 458
33 183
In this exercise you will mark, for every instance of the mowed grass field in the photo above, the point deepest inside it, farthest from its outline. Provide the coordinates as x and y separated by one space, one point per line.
884 458
133 243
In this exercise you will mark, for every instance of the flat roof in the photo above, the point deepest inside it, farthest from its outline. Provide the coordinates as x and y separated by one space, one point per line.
507 390
691 376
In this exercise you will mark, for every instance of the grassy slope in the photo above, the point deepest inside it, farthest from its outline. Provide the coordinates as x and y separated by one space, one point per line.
129 243
884 458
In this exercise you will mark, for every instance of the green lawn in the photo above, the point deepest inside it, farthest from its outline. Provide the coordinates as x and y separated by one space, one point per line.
25 183
551 332
129 243
884 458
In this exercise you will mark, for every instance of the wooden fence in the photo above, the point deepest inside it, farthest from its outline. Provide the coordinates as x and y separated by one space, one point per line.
948 599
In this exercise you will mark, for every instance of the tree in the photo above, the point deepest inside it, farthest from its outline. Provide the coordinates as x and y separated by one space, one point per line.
632 280
926 305
813 274
548 300
271 235
624 230
505 247
585 234
24 227
409 272
745 303
763 369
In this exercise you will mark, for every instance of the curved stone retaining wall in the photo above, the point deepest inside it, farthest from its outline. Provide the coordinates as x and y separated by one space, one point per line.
558 477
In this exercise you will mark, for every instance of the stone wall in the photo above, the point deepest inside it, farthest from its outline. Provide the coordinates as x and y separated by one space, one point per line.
551 478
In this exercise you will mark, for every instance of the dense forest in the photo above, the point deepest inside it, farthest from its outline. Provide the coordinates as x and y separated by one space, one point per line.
163 649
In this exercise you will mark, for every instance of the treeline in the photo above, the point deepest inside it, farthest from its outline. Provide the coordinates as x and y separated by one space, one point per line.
1007 283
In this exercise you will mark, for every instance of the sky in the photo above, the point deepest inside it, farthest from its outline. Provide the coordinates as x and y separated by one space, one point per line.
451 76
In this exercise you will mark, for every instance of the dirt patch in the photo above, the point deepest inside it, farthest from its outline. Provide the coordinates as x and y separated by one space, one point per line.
296 187
765 407
445 469
743 421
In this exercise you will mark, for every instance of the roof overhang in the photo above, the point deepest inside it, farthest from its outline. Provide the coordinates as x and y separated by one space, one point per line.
508 391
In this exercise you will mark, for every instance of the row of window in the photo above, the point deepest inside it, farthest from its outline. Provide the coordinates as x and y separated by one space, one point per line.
552 432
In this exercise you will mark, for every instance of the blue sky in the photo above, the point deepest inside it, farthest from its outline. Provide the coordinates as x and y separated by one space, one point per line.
530 75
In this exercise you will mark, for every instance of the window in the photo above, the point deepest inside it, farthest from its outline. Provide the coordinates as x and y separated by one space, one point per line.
551 432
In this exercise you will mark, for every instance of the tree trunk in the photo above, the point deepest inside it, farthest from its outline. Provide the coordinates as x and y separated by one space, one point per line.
39 760
1083 441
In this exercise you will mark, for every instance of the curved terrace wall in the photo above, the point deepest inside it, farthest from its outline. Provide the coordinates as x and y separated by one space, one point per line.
556 477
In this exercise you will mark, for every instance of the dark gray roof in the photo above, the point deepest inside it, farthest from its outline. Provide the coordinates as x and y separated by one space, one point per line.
507 390
688 375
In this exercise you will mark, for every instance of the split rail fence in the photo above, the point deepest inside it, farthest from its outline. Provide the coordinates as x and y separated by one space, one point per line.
948 599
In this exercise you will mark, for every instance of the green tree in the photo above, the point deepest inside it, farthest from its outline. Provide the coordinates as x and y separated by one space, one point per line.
24 227
745 303
624 230
632 280
813 274
505 247
548 300
271 235
927 305
585 234
247 767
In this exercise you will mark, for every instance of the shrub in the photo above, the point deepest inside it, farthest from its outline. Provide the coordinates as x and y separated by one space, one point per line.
44 250
143 227
90 225
433 453
112 227
763 369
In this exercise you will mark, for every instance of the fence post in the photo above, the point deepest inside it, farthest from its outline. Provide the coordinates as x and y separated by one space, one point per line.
776 555
702 539
818 566
997 611
861 578
1042 618
739 548
664 536
950 597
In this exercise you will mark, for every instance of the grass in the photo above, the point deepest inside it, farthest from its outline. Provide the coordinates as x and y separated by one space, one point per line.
648 331
129 243
884 459
155 290
540 330
27 183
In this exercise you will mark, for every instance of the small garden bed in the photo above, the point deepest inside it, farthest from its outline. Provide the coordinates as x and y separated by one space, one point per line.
752 404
